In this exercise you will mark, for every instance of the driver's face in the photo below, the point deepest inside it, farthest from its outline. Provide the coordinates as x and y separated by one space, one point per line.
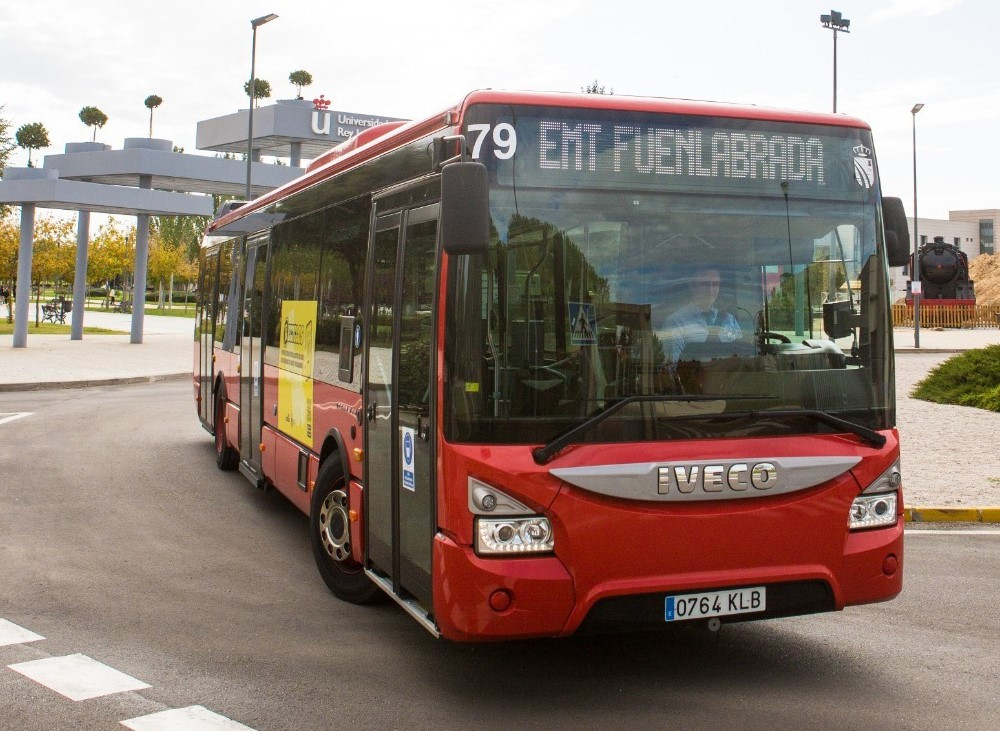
705 288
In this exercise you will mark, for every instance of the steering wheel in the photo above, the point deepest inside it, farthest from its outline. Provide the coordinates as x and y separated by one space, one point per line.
766 335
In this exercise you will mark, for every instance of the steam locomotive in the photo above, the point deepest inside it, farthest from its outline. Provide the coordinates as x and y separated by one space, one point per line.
944 275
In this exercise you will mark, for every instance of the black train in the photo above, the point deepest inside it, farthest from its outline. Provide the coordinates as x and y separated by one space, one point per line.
944 273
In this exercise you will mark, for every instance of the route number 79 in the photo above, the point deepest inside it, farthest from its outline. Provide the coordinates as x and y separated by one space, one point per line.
504 139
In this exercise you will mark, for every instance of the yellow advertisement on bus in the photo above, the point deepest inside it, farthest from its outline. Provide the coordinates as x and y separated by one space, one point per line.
297 346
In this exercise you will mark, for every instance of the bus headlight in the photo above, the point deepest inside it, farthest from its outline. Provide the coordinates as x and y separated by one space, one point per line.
503 535
873 511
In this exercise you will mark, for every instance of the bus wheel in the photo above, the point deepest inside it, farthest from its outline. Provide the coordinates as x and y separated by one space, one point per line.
329 523
225 456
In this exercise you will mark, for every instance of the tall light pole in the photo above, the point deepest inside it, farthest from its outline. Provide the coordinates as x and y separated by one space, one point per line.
253 89
915 288
838 24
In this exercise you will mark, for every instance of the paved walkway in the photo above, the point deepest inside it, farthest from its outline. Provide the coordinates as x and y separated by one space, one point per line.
55 361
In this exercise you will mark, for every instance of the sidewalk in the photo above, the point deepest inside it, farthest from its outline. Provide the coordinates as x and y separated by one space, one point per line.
55 361
166 353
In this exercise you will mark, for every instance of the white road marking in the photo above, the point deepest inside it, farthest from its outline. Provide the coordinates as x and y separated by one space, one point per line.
192 718
12 634
78 677
6 416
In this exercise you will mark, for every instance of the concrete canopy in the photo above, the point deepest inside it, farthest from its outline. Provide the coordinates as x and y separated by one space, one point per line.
73 195
168 170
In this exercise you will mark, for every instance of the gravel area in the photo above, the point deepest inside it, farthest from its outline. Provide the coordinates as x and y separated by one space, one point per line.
950 454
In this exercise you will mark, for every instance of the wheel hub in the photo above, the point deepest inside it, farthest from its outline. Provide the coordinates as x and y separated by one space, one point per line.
333 526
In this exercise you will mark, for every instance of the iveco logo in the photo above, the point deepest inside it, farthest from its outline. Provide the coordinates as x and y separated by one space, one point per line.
737 476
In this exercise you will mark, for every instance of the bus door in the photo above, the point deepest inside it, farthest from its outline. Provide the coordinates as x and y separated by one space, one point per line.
208 306
399 394
252 357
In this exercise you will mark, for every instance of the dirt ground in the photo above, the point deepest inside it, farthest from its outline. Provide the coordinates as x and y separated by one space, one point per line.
984 270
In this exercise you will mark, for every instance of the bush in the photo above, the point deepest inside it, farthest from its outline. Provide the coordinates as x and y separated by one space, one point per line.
969 379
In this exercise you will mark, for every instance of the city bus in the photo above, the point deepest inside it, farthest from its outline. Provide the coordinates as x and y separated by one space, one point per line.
467 348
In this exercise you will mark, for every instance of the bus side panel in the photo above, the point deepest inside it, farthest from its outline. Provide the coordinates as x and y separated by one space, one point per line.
337 409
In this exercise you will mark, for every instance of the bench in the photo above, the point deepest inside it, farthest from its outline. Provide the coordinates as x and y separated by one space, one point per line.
56 310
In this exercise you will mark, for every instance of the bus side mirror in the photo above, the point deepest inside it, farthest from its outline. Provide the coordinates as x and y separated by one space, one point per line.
897 232
465 208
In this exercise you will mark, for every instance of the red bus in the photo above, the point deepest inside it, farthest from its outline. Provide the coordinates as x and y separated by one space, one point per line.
548 363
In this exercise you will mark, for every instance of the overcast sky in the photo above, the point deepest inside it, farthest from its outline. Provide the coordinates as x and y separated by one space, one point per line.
414 58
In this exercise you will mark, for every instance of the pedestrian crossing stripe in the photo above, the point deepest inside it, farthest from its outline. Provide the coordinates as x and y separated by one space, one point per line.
6 416
192 718
12 634
78 677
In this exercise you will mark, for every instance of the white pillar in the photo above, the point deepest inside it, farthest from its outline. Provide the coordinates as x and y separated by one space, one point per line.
23 294
80 278
141 264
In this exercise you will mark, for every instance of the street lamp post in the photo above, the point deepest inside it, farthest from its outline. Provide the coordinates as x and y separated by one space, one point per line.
253 89
915 288
838 24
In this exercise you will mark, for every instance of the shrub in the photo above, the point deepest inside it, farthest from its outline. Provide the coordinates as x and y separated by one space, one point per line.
969 379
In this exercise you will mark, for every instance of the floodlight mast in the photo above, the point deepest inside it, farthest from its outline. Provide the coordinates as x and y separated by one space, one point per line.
838 24
253 91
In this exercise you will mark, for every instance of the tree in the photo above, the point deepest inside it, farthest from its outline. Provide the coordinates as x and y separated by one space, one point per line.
261 89
152 102
299 79
32 136
595 88
173 250
54 257
182 232
6 147
110 254
93 117
6 143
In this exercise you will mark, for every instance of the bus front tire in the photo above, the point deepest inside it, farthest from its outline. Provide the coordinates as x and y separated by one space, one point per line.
329 529
225 456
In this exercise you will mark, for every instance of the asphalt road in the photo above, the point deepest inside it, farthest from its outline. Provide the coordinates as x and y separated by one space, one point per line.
121 542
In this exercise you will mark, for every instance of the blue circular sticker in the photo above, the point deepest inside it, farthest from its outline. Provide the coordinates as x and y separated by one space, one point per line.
408 447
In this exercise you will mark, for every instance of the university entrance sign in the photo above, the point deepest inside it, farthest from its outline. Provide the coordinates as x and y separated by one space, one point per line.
292 128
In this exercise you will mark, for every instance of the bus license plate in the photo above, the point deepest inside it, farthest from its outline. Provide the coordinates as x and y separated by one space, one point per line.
715 603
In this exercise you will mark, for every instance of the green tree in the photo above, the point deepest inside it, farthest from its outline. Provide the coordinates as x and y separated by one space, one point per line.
152 102
595 88
111 253
93 117
300 78
181 232
32 136
6 143
261 90
53 260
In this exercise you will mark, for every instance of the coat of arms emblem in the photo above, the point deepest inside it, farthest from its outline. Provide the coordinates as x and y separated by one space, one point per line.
864 166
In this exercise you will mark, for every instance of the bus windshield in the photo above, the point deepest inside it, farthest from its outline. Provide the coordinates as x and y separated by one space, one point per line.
737 291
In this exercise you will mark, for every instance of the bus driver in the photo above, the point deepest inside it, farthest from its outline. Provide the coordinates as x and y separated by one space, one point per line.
699 321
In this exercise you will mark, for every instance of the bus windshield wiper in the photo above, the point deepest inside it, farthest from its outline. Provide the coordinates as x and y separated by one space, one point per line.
545 453
869 435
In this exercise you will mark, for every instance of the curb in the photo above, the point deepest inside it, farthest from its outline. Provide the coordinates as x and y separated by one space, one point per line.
45 386
945 514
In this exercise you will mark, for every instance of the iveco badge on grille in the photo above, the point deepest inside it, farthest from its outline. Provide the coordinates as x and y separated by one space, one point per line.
717 480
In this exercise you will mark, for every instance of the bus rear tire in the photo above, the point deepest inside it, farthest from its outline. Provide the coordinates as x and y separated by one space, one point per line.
225 456
329 530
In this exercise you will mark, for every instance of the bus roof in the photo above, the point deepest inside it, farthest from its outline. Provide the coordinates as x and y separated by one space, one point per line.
385 137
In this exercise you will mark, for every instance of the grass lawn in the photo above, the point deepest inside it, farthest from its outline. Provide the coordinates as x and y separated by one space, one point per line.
49 328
